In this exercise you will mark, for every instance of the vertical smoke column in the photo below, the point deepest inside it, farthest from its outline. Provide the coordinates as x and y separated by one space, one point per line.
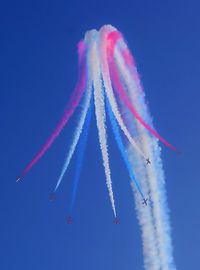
145 217
154 176
101 117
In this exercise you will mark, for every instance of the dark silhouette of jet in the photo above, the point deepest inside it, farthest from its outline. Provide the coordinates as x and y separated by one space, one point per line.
18 178
148 161
69 220
145 201
52 196
116 221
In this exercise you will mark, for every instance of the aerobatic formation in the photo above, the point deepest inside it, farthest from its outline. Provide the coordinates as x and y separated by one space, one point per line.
109 83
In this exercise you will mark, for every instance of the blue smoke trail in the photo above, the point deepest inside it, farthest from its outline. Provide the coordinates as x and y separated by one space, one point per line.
80 154
121 147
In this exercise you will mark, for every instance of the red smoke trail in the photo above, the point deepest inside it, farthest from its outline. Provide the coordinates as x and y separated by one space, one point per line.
72 105
113 37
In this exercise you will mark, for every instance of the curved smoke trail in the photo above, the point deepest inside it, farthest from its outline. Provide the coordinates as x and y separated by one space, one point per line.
101 119
154 178
109 91
122 149
79 129
80 155
76 138
72 105
122 92
105 64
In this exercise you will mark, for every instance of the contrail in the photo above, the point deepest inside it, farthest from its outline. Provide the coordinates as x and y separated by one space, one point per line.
144 214
72 105
145 217
80 155
123 150
77 135
108 74
155 176
109 91
79 127
122 92
101 119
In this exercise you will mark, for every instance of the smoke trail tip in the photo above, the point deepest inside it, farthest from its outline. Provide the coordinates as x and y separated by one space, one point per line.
18 178
116 220
176 150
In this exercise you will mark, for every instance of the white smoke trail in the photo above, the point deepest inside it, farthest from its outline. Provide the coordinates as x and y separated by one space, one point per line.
144 214
79 128
155 175
109 90
150 249
77 135
101 119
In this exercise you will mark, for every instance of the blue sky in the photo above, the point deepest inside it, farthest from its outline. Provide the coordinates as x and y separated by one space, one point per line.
38 72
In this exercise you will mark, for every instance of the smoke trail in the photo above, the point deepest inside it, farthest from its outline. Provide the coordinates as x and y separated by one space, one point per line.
151 259
122 149
144 214
101 119
72 105
109 91
78 132
122 92
155 179
154 176
88 95
80 155
108 61
154 221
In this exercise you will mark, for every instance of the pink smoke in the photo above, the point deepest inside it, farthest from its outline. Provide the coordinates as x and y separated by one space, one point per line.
72 105
113 37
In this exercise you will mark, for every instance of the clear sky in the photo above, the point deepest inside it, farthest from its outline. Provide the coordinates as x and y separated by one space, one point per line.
38 67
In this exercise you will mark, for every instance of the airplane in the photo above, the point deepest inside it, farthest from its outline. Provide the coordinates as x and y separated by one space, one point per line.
116 221
52 196
145 201
148 161
18 178
69 220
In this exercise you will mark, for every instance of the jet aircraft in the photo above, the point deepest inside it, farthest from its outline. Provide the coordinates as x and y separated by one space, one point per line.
116 220
69 220
18 178
145 201
148 161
